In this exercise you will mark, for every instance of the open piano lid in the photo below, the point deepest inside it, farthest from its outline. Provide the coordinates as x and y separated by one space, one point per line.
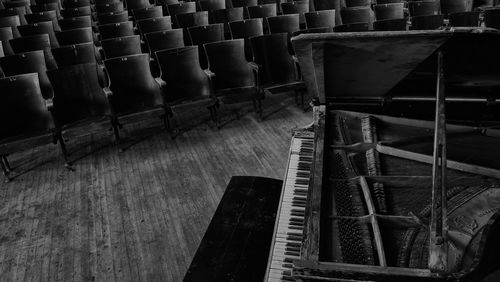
369 65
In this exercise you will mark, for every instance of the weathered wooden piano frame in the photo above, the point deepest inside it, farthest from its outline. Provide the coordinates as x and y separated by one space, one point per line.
310 268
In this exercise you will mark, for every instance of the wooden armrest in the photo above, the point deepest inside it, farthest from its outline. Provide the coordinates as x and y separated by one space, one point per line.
160 82
295 59
49 103
107 92
254 66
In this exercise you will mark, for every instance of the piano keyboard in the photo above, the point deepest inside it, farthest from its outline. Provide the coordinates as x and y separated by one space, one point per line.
290 218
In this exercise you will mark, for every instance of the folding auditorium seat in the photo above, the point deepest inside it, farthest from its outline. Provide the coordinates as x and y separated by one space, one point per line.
296 7
244 4
358 3
121 46
192 19
12 22
147 13
137 4
75 36
284 23
424 8
324 18
246 29
33 43
76 22
26 118
464 18
180 8
228 15
5 36
455 6
352 27
234 80
19 3
166 39
81 106
75 54
117 7
492 18
54 5
15 11
391 25
210 5
40 28
76 3
76 12
186 84
427 22
357 15
199 35
112 18
29 62
154 24
278 72
44 17
389 11
107 31
133 92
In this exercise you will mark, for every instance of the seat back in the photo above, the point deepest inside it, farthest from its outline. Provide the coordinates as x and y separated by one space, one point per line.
227 60
40 28
75 36
324 18
464 19
113 18
109 8
392 24
228 15
114 30
427 22
74 54
352 27
147 13
33 43
154 24
210 5
357 15
138 4
271 54
43 17
185 80
423 8
358 3
5 36
77 93
52 6
492 18
132 84
192 19
456 6
76 3
284 23
76 12
389 11
246 29
29 62
262 11
199 35
12 22
296 7
181 8
23 109
121 46
75 22
166 39
15 11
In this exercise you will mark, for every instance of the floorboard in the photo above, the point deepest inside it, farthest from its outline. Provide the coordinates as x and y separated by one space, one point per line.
137 215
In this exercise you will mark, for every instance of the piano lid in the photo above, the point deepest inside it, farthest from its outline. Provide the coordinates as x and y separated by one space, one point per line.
368 65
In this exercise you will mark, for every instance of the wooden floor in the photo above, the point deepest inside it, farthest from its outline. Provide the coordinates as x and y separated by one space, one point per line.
132 216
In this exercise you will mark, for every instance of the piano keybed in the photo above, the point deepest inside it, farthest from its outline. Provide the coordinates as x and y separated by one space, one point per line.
288 231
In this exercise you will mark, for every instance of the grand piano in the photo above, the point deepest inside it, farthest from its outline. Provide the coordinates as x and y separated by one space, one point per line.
398 179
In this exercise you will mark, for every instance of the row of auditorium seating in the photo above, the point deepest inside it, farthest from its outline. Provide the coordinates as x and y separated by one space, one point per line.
100 74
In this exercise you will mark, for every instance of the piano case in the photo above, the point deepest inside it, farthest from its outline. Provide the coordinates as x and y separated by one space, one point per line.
391 108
